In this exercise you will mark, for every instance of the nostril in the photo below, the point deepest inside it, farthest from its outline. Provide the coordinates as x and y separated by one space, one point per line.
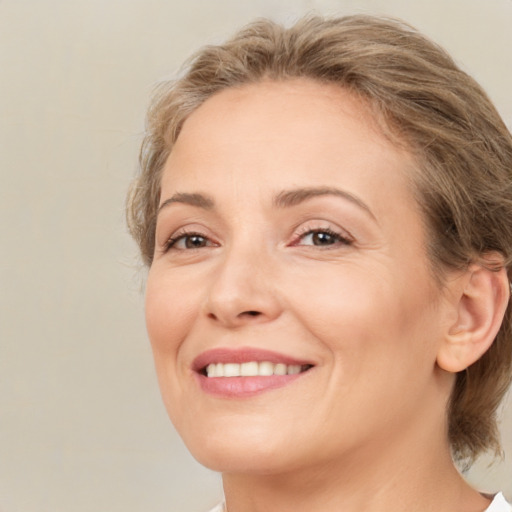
252 313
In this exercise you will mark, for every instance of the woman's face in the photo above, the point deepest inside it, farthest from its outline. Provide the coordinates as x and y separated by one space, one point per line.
290 252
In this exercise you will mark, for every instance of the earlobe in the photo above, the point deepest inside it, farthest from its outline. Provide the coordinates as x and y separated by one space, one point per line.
480 305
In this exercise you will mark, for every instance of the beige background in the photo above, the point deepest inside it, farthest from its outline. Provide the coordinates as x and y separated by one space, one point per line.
81 424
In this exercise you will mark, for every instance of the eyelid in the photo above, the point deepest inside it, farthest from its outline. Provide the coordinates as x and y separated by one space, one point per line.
319 225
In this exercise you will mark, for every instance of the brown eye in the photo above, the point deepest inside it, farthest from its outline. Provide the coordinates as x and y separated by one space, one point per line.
194 241
184 241
323 238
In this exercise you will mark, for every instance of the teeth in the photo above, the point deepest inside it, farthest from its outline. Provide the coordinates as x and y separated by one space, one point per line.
232 370
280 369
252 369
249 369
293 369
265 368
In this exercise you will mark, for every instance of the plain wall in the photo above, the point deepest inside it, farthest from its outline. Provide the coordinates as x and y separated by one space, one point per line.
82 427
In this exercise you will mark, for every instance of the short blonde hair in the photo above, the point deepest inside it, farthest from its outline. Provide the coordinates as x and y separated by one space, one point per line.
423 101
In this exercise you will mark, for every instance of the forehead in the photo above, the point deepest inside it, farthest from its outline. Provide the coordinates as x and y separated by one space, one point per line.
277 110
283 134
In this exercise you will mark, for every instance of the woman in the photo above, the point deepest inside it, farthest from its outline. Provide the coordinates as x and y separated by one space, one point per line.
325 214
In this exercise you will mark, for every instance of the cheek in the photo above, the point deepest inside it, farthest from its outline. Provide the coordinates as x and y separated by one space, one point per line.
366 316
339 299
170 310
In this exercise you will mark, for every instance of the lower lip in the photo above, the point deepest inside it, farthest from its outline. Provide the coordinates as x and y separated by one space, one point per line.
244 387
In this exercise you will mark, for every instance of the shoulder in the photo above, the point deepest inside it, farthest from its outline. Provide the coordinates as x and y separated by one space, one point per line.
499 504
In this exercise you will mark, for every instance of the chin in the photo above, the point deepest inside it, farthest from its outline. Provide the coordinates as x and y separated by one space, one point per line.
240 450
241 462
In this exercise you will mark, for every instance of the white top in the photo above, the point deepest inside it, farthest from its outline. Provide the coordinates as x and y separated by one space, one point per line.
218 508
498 504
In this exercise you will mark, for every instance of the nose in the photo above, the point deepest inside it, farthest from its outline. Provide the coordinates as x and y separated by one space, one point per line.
243 290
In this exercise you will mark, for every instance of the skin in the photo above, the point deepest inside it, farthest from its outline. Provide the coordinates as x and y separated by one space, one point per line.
365 428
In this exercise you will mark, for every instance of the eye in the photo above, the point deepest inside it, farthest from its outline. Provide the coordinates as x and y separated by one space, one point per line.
188 240
323 237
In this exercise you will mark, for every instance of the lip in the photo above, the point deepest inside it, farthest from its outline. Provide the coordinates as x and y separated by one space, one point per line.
243 387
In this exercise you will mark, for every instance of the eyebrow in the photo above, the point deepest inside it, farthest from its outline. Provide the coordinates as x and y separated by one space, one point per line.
285 199
295 197
198 200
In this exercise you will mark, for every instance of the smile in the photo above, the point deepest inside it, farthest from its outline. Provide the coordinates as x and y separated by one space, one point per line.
245 372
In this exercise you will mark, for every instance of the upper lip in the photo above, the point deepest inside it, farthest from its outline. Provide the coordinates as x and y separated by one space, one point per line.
243 355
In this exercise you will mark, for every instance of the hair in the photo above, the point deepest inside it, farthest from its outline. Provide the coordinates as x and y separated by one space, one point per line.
422 101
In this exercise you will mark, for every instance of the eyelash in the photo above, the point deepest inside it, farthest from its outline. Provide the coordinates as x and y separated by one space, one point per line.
338 237
183 235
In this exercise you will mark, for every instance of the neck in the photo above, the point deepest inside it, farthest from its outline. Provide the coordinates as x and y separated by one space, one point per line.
398 477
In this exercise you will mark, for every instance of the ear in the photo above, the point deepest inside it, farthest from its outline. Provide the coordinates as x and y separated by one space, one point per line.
480 301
